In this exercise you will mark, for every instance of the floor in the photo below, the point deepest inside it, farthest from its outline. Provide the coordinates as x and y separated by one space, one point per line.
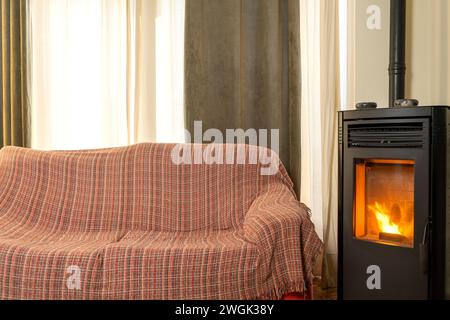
318 292
321 294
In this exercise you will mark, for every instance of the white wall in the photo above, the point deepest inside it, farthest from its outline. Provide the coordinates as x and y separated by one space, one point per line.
370 52
428 44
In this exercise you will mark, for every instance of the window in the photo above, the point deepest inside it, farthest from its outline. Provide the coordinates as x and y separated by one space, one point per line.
106 73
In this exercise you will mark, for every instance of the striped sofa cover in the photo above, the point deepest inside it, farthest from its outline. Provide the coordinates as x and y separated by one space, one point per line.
130 223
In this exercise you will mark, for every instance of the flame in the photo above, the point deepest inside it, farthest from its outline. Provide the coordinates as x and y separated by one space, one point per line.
384 220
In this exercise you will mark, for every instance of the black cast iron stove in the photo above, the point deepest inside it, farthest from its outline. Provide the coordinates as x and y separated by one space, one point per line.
394 193
394 221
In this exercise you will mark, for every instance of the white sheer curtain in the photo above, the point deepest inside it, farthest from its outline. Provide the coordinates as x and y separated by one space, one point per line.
106 72
170 71
320 103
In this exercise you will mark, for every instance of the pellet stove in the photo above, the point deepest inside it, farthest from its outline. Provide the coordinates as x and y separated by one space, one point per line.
394 221
394 193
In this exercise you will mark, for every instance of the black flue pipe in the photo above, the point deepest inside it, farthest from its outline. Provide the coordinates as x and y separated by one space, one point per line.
397 61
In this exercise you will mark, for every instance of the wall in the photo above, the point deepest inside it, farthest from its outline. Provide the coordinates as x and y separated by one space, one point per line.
428 41
370 52
428 44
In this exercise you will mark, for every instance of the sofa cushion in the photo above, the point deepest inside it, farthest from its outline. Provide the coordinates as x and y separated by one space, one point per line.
36 264
194 265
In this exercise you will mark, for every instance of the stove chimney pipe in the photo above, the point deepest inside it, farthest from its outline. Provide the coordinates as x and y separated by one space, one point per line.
397 63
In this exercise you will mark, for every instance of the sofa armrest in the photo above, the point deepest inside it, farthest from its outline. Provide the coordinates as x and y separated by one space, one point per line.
272 212
281 228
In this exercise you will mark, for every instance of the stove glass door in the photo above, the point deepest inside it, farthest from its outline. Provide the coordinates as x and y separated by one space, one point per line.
384 202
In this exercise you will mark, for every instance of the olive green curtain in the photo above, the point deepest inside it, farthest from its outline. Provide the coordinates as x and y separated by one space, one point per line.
14 122
242 69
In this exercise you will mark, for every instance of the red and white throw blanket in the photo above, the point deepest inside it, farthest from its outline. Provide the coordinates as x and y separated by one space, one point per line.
130 223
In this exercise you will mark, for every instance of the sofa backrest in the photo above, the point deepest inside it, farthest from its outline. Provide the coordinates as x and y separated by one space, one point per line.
140 187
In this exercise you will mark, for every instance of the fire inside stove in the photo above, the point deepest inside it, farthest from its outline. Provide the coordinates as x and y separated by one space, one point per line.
384 202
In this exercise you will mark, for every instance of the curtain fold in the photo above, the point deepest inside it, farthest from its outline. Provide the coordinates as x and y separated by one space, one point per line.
242 69
330 93
320 101
14 102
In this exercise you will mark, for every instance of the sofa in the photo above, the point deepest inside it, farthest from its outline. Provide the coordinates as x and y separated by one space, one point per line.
132 223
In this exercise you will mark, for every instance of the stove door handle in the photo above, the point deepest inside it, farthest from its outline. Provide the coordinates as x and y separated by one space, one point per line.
423 248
